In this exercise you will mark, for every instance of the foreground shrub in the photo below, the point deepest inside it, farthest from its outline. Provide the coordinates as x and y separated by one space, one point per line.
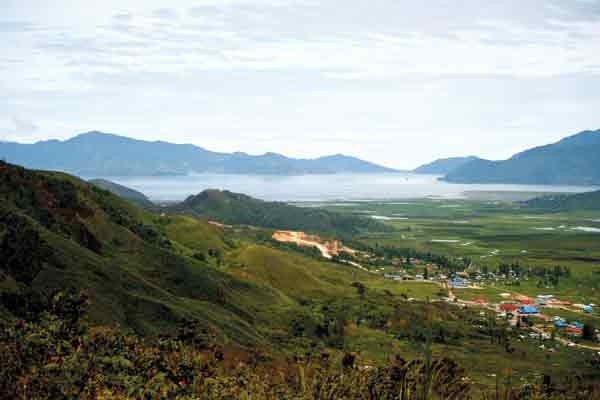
53 355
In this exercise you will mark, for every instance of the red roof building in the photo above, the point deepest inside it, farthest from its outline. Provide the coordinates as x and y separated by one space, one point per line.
573 330
508 307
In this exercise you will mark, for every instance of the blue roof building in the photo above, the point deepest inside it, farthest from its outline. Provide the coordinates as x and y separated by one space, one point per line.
560 324
588 309
528 310
458 284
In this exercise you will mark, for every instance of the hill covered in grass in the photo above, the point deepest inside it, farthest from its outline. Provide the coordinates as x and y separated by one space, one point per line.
574 160
137 198
239 209
589 201
57 232
145 272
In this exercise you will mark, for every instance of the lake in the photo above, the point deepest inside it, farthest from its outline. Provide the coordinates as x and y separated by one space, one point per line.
329 187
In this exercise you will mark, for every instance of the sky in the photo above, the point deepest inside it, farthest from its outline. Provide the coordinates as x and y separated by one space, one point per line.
391 81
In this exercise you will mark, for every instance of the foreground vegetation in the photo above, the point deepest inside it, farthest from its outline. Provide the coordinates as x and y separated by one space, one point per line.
53 355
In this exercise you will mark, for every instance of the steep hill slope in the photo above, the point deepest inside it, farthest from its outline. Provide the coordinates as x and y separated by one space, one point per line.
145 271
240 209
444 166
102 154
57 231
574 160
137 198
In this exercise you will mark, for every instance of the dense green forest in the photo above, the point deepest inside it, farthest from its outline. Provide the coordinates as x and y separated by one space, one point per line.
236 208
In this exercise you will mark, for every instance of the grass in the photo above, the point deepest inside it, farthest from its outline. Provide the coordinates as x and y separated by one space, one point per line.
194 234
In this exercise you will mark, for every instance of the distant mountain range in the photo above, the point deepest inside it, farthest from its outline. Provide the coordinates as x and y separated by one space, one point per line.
574 160
443 166
102 154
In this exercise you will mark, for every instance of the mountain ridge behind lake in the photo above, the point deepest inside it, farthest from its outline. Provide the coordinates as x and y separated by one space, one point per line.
574 160
443 166
102 154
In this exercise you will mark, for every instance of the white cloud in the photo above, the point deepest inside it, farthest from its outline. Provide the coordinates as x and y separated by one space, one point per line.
24 126
435 78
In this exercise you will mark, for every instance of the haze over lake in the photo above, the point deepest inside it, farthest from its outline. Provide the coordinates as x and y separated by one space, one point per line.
324 187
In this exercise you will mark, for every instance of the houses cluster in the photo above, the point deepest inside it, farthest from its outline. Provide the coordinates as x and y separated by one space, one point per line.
522 307
407 277
526 305
492 278
573 327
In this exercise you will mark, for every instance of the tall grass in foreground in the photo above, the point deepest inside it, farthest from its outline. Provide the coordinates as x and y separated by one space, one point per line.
51 354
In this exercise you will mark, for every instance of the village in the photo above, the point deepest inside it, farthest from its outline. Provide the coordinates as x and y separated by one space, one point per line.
534 314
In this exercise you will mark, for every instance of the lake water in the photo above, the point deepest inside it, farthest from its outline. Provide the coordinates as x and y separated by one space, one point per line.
324 187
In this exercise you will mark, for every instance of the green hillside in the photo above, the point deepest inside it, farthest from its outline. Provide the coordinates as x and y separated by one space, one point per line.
589 201
144 271
57 231
239 209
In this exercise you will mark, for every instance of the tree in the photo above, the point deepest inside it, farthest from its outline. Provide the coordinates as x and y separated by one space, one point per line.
491 320
360 288
222 296
22 249
589 331
340 330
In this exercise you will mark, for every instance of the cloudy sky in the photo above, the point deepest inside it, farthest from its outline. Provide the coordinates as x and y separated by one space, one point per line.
392 81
